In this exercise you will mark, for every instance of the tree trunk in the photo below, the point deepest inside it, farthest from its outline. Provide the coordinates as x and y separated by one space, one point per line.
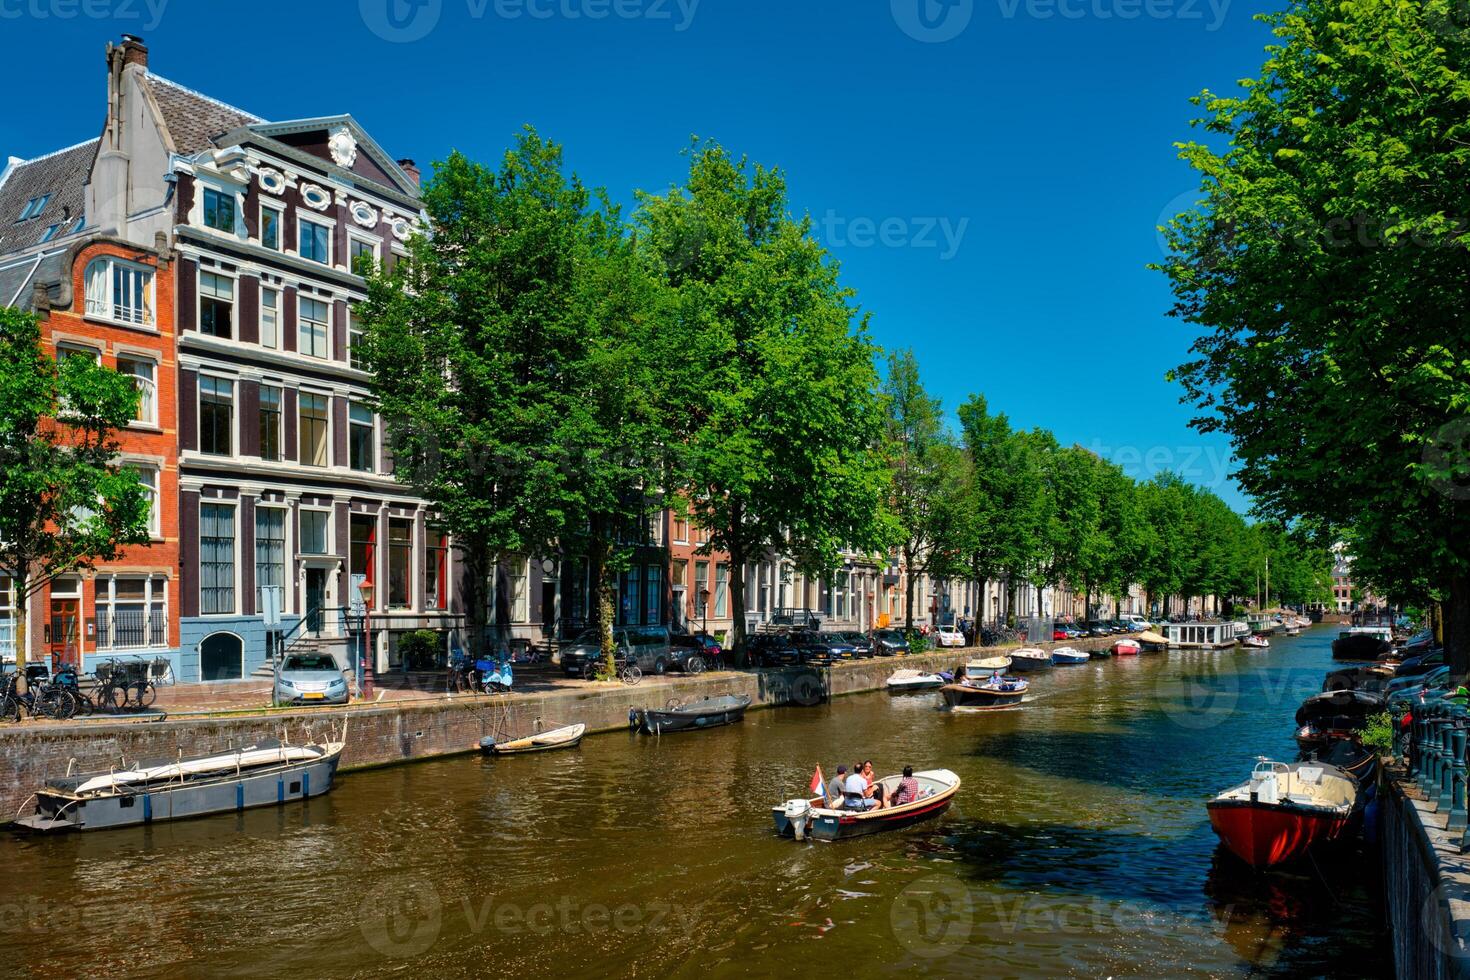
908 589
477 561
22 609
737 594
606 584
1010 610
1457 626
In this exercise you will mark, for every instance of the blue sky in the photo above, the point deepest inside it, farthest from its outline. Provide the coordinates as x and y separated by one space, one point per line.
989 172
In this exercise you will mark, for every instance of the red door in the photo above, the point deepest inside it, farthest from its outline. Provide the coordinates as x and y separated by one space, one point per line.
65 637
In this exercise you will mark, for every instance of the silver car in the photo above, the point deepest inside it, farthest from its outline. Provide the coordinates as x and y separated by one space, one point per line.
310 678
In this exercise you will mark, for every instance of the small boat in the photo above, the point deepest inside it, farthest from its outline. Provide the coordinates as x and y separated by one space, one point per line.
566 737
1029 658
1255 642
1152 642
1362 643
676 716
987 667
802 818
1372 679
1127 648
997 691
1335 716
914 680
268 773
1293 630
1283 809
1063 656
1100 653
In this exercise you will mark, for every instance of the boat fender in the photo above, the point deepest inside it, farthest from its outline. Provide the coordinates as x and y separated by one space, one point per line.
798 812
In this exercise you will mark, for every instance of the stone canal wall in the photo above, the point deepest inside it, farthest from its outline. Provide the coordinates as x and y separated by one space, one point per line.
1426 886
407 731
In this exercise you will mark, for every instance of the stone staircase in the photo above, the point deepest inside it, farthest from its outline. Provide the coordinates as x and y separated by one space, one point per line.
336 646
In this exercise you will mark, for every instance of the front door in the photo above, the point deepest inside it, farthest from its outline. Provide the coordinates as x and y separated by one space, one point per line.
548 607
64 639
316 598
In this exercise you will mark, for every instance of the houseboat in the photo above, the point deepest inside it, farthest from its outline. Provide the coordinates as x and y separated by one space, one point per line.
1200 636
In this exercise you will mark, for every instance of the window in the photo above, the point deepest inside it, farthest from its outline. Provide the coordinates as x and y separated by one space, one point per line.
120 291
628 610
362 552
722 590
354 342
216 559
681 529
701 586
219 210
33 207
216 305
148 476
216 415
360 438
270 423
316 242
270 318
131 612
50 233
436 572
270 552
270 227
652 594
315 525
7 619
520 595
400 563
142 372
313 430
312 334
361 255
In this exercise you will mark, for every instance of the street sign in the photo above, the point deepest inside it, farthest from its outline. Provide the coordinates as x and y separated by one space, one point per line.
270 605
355 600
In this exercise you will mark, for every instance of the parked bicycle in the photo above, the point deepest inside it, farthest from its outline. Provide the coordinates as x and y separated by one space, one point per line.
42 699
66 678
628 671
124 685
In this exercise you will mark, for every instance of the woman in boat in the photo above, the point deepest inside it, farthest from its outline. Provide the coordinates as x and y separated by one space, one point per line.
875 788
908 788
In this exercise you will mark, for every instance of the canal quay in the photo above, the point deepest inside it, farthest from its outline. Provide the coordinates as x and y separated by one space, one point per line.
1078 845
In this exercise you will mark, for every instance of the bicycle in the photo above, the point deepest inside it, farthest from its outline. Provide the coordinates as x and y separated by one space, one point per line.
41 700
627 671
125 686
66 678
463 678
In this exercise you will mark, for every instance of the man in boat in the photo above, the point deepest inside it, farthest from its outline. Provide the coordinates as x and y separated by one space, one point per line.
857 794
834 788
908 788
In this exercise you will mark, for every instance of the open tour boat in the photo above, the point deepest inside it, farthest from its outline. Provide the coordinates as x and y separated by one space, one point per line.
268 773
1255 642
987 667
997 691
914 680
1282 810
1030 658
1062 656
812 817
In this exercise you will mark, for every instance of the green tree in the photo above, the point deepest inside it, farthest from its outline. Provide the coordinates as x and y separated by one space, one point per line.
469 340
781 426
1327 265
65 502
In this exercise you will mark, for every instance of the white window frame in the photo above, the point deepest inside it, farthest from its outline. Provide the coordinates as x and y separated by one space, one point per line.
153 586
372 427
105 307
234 414
302 221
280 212
351 329
154 493
234 303
147 387
327 544
413 562
221 190
300 428
375 244
279 294
280 389
301 301
286 551
7 619
234 508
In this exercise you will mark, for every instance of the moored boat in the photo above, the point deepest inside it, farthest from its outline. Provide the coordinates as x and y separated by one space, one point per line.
1067 656
268 773
1127 648
1362 643
1030 658
802 818
1255 642
1335 716
565 737
998 691
676 716
914 680
987 667
1282 810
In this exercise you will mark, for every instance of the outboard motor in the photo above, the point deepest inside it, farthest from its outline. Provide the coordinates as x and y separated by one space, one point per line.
799 813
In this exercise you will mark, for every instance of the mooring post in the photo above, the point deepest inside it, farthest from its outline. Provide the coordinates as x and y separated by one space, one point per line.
1447 771
1457 820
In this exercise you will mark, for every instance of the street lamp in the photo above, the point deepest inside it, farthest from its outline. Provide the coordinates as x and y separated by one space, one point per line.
704 611
365 666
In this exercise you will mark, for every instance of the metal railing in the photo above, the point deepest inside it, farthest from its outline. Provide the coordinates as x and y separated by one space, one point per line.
131 627
1436 754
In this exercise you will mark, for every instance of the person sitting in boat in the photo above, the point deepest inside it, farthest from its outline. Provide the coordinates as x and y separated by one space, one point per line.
908 788
873 785
857 794
834 788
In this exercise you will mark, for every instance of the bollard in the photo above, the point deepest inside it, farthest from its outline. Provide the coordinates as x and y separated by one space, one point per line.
1414 758
1430 777
1446 789
1421 741
1457 823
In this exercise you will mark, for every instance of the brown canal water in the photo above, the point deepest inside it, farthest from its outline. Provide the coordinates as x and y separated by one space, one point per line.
1078 846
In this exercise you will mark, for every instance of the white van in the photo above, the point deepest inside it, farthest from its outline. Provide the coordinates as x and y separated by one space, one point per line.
1137 622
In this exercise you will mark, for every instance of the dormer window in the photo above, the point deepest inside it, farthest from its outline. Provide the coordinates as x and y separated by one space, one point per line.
50 233
33 208
219 210
120 291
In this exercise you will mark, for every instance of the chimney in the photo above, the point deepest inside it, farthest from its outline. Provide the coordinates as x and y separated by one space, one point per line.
40 298
412 169
135 52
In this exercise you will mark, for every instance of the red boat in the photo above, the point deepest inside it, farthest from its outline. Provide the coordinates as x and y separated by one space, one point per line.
1127 648
1283 809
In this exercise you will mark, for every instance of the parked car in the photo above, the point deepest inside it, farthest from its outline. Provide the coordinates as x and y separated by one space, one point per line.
648 646
1060 633
310 678
1136 623
685 647
825 646
949 636
773 650
1099 628
889 643
861 643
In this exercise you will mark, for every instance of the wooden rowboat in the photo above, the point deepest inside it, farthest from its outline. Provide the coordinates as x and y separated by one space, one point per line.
813 818
566 737
709 712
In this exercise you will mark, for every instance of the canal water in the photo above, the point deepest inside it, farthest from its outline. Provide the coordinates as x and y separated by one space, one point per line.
1078 846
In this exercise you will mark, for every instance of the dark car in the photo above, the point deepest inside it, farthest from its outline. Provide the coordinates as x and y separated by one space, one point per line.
826 647
890 643
1098 628
772 650
861 643
694 652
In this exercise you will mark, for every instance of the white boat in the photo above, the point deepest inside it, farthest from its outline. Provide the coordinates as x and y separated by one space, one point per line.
565 737
987 667
1255 642
1069 655
914 680
1030 658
